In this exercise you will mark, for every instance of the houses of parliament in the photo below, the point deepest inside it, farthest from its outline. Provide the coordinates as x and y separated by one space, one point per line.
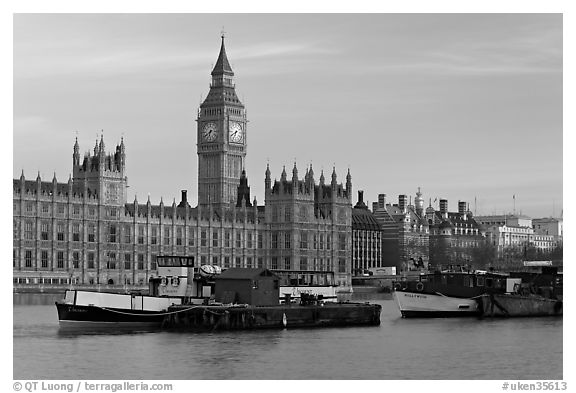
85 231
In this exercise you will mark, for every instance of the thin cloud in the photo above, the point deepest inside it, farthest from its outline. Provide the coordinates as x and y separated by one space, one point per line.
29 122
515 54
281 49
102 62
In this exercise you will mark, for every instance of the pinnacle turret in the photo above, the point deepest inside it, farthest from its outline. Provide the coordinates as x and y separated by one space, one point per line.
333 184
76 155
222 64
349 185
101 147
268 179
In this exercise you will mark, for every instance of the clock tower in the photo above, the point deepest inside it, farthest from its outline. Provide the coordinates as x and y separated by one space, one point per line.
221 137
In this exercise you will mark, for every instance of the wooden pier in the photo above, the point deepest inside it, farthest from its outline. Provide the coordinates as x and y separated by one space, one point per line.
242 317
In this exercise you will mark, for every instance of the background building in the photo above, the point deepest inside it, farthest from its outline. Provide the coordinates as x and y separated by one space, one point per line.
405 232
549 226
454 236
513 235
366 239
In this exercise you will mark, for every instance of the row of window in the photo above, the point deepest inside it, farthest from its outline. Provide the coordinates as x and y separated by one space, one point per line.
219 111
366 254
318 242
113 262
462 231
366 235
61 208
73 280
303 213
116 234
60 262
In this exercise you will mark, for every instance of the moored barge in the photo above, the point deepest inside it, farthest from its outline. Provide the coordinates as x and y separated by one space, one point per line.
245 317
182 292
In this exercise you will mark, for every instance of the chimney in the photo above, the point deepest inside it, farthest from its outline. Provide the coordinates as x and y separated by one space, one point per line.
462 209
184 201
374 206
381 200
444 208
402 202
360 204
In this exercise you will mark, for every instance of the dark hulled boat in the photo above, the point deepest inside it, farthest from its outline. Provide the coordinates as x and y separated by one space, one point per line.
82 309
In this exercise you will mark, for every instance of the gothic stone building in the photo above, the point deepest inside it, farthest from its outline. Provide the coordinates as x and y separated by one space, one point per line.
85 231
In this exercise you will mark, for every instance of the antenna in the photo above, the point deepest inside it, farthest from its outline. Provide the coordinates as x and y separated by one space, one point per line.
474 205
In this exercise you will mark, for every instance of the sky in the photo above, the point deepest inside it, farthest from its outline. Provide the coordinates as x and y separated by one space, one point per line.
468 107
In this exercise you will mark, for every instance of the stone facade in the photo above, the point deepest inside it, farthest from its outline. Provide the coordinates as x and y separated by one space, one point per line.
309 224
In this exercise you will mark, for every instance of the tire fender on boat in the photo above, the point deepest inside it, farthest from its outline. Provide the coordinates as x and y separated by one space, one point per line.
175 281
397 286
557 307
419 287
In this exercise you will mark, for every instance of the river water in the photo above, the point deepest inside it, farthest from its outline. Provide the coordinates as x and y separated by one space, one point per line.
398 349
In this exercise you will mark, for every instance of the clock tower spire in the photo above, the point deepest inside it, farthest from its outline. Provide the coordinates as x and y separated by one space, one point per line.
221 137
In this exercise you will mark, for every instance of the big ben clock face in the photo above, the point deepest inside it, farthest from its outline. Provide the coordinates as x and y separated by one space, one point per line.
210 132
236 132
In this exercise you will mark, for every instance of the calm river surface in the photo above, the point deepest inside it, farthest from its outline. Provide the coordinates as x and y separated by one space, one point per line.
457 348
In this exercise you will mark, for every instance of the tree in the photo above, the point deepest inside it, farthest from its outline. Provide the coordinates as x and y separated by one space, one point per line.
484 255
557 253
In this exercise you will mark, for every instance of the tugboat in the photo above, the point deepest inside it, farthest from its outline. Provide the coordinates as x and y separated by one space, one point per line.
462 293
179 282
446 293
